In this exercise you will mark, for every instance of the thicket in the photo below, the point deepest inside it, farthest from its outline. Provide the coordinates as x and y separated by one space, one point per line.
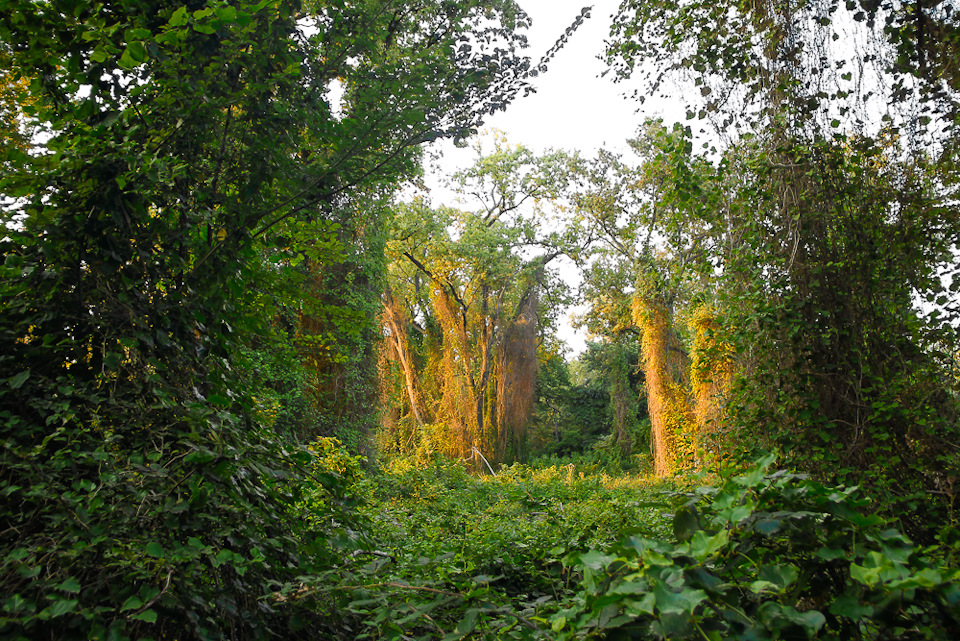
199 230
560 552
177 204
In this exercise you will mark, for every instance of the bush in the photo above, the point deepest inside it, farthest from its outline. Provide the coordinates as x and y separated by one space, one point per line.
766 556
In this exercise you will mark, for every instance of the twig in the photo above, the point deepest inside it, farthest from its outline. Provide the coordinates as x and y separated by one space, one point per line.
477 452
149 603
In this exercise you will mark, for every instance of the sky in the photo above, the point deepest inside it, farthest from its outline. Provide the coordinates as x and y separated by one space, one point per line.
573 108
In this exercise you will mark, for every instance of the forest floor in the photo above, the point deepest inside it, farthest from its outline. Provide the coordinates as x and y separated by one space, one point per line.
447 554
565 551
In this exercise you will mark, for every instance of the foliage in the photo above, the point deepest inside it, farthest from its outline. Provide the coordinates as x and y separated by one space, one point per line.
766 556
654 224
810 67
13 101
569 416
453 556
782 308
845 375
338 334
145 494
470 296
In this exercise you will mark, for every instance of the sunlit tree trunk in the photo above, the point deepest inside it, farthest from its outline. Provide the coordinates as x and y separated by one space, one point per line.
670 414
398 337
711 371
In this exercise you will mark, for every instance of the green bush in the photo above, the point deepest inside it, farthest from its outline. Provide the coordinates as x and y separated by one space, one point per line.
447 554
767 556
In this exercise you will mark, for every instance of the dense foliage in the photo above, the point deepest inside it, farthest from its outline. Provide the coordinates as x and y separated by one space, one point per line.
766 556
189 157
563 551
208 271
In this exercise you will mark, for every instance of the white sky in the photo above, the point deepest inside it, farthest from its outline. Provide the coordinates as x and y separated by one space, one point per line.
573 108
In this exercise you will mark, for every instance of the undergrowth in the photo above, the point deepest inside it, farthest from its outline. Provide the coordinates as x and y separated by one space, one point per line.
556 552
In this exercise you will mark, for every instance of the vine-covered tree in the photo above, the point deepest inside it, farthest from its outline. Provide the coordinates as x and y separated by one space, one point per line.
142 493
651 222
470 294
837 228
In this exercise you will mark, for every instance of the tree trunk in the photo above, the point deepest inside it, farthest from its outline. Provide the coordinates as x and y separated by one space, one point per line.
398 336
670 414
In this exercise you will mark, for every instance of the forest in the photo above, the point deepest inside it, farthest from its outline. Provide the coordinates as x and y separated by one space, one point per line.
259 381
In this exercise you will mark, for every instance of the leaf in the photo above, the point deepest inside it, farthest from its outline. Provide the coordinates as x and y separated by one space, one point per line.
685 523
154 549
17 381
137 51
469 622
14 604
148 616
595 560
58 608
643 606
558 623
783 576
132 603
179 17
227 14
684 600
703 545
70 585
848 605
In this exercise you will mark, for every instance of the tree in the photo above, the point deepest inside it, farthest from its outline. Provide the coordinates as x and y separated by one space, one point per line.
652 227
807 67
466 306
845 374
838 215
146 497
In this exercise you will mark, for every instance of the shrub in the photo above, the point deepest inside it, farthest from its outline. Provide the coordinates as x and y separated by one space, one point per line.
766 556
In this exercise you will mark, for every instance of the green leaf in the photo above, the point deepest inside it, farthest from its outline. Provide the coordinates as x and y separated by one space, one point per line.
848 605
703 545
18 554
685 523
58 608
14 604
127 61
132 603
558 623
741 512
70 585
642 607
684 600
595 560
137 51
179 17
148 616
154 549
469 622
17 381
866 576
781 575
227 14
